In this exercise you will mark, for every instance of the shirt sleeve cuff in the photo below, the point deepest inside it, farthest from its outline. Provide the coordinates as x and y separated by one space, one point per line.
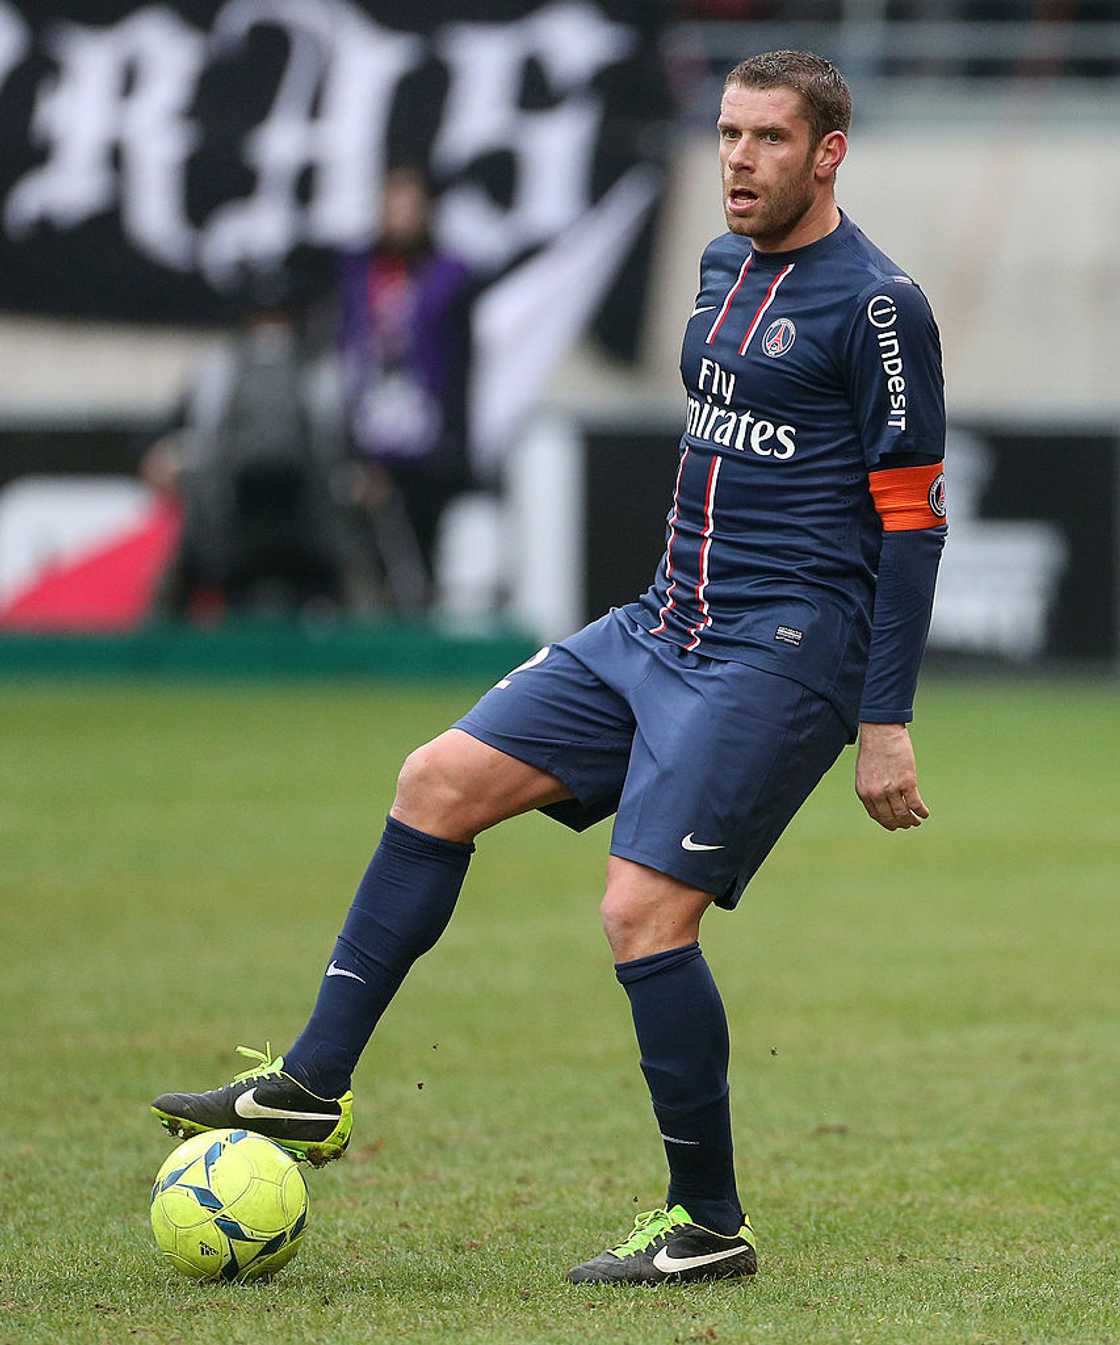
869 714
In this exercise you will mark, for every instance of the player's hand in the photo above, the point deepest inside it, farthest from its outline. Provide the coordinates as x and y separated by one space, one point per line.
887 777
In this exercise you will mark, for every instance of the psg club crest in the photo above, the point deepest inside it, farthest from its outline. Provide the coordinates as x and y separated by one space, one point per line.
937 495
779 338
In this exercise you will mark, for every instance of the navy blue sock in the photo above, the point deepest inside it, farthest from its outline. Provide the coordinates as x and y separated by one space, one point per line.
401 908
682 1032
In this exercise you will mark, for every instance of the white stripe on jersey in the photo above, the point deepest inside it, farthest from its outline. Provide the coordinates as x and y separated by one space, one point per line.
705 549
731 293
770 293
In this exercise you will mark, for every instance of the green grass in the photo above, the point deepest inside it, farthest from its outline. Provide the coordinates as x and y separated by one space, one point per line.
925 1035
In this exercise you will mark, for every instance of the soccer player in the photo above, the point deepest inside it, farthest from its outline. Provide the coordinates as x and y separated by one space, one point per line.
788 613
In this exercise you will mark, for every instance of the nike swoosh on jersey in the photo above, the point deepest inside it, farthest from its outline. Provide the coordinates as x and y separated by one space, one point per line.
247 1106
687 843
708 308
335 970
668 1265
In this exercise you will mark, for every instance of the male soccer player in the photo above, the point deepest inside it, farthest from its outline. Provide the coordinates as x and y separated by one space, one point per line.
789 610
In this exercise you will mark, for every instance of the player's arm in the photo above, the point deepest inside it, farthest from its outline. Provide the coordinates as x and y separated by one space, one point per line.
898 392
913 535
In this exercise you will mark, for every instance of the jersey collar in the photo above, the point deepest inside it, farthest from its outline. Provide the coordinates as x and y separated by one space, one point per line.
773 261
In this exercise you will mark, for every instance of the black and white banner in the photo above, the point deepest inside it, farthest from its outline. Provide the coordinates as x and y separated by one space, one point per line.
149 151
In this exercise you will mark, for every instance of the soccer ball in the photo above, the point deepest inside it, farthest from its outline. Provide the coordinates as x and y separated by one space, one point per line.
228 1205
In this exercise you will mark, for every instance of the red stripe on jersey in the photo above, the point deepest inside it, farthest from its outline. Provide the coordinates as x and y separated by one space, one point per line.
670 602
705 549
713 331
770 293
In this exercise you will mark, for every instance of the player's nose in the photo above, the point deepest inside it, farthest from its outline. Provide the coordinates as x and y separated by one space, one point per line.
741 158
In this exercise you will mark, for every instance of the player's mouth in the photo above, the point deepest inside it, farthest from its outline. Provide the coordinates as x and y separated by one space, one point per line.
742 200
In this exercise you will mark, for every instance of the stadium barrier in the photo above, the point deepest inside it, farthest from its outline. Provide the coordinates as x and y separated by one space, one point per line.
389 652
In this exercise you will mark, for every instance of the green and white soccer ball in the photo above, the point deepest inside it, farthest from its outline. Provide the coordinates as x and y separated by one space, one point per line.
229 1205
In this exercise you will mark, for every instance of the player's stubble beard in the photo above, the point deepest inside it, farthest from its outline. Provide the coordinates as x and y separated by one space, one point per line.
786 204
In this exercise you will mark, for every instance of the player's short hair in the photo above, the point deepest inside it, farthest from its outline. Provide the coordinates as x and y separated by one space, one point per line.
823 89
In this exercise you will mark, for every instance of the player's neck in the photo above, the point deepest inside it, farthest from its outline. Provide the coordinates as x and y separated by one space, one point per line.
821 219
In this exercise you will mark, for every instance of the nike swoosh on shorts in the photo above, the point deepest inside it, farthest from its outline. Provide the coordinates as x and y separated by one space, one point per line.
249 1108
670 1264
708 308
687 843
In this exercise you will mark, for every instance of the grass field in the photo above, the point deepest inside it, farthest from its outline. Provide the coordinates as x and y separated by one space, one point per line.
926 1035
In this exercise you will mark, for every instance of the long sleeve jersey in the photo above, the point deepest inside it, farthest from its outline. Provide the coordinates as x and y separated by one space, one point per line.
809 376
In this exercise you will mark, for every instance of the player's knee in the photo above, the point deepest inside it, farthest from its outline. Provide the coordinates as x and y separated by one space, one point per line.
645 912
410 784
431 794
625 921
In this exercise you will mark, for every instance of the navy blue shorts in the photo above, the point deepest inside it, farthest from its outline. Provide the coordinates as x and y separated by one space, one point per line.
704 761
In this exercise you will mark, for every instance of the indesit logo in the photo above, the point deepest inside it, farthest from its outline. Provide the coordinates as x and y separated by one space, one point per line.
881 312
883 316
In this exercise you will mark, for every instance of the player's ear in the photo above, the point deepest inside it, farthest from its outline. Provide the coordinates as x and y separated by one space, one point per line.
831 153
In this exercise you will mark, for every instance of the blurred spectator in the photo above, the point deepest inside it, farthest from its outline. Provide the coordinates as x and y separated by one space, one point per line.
250 455
405 347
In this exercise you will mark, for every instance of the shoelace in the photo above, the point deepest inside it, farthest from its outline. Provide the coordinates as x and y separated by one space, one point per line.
265 1063
647 1226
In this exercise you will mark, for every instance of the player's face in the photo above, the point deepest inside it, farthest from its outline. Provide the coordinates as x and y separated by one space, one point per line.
772 169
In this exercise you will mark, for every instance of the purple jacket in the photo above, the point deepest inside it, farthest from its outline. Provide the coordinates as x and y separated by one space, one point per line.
405 347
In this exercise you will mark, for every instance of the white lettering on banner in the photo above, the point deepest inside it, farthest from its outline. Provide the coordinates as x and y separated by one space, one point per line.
122 88
115 124
14 41
552 148
353 66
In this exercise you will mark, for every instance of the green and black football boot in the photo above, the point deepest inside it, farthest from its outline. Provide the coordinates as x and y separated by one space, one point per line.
667 1247
268 1102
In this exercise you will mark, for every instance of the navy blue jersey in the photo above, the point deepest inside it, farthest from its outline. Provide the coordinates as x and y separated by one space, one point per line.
804 370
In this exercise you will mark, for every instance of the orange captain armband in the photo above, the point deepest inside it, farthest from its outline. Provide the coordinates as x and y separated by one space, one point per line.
907 498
